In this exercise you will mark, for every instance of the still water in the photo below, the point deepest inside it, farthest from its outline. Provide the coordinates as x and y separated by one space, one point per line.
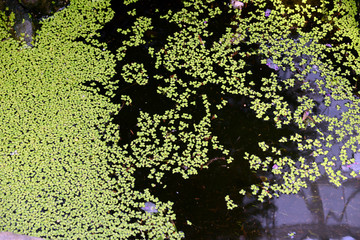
322 211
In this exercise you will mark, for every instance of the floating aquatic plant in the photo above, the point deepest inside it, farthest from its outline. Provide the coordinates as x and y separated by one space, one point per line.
276 45
55 150
56 132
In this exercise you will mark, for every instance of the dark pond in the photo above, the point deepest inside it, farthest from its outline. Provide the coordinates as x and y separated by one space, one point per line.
320 212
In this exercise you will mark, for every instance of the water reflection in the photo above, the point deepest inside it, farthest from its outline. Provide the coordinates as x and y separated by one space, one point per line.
322 211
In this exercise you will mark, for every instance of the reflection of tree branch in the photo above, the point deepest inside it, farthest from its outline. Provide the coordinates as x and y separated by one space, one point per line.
314 202
214 159
319 227
315 206
339 219
303 231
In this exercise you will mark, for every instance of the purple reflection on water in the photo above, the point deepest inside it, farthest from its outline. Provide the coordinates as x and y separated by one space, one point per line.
354 166
237 4
320 211
267 12
271 64
150 207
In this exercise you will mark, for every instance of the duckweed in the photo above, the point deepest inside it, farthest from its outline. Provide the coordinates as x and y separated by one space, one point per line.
57 130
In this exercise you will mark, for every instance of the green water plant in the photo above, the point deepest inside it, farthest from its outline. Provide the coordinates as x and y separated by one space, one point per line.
193 51
57 135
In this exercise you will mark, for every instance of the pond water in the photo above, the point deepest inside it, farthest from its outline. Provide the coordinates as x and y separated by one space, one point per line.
322 211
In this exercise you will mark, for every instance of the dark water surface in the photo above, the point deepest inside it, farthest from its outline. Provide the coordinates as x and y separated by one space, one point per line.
320 212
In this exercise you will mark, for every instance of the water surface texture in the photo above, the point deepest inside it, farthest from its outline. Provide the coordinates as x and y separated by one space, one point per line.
320 210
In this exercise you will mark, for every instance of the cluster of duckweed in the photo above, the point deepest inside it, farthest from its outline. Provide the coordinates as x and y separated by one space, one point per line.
55 135
57 130
314 32
335 86
174 141
7 22
275 43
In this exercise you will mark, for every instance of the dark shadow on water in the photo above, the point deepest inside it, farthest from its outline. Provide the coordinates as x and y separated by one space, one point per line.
201 198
